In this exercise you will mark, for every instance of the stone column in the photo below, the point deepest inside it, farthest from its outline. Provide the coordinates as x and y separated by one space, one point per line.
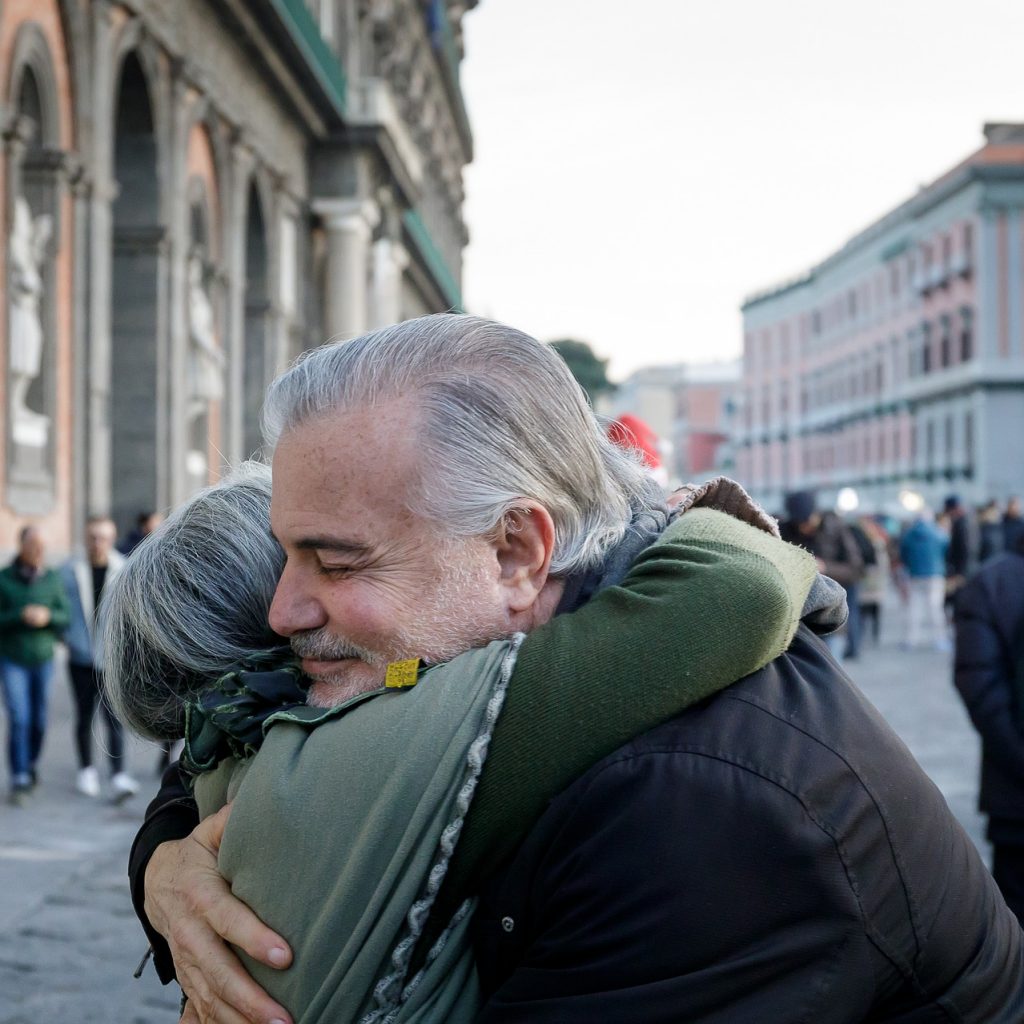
100 263
285 326
81 189
176 481
350 224
389 262
236 213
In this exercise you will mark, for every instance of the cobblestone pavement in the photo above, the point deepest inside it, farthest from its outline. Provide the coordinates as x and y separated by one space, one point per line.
69 941
68 938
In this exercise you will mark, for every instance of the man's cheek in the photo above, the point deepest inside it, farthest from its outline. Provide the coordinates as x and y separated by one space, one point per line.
357 616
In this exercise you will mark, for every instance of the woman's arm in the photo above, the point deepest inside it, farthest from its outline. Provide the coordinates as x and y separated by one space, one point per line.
710 602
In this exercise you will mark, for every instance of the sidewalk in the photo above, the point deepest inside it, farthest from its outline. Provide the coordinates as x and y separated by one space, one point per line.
69 940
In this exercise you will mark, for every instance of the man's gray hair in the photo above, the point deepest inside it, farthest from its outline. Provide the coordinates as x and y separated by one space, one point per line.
191 603
501 419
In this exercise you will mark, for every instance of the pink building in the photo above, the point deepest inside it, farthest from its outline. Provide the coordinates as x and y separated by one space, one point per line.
897 363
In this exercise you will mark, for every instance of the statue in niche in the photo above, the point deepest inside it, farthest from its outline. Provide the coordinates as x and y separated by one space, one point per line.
29 239
206 360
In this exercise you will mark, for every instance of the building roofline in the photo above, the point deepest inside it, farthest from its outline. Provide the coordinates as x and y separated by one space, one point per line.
1001 158
322 66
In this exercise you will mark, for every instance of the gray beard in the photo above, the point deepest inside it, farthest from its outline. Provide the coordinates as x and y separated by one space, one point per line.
462 615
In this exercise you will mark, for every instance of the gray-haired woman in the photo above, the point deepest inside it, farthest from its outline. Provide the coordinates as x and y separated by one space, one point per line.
371 800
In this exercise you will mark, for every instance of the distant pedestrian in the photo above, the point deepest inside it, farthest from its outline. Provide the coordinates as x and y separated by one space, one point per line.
877 572
84 581
1013 524
33 614
991 535
923 554
829 539
989 674
145 523
964 544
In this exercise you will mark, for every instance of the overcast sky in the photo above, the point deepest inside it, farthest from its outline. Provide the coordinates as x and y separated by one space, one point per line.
641 167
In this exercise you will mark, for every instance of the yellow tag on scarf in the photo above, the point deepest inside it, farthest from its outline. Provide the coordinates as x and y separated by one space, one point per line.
402 674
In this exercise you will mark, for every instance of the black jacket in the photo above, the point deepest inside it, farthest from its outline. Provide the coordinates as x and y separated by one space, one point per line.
989 614
964 543
773 855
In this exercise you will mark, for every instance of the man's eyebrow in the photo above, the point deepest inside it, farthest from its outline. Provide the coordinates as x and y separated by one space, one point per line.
328 543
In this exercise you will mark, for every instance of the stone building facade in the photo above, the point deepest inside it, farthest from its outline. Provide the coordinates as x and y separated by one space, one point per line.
193 192
897 363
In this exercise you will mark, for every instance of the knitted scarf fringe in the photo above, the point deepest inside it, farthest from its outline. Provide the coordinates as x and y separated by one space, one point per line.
389 995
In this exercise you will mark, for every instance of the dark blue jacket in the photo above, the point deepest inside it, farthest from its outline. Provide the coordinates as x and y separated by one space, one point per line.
772 855
989 615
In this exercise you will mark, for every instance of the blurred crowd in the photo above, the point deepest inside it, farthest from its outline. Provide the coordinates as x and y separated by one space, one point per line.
960 573
927 558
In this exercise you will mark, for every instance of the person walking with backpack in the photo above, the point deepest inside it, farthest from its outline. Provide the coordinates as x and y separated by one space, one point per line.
989 674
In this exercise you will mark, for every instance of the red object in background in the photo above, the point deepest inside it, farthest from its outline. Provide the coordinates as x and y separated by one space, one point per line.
630 432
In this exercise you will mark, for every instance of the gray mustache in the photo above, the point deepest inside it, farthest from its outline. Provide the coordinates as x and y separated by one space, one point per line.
321 646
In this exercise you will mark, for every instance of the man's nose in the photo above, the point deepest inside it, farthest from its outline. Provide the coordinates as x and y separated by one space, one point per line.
293 610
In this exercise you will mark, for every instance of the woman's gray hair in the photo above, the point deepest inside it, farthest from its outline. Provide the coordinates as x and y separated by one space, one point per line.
502 419
191 603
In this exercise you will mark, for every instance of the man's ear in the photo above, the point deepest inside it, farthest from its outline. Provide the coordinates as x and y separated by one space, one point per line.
523 542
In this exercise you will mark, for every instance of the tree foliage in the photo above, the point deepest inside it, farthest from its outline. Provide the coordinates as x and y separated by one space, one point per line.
586 367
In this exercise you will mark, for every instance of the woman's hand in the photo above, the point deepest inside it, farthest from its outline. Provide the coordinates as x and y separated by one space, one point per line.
190 904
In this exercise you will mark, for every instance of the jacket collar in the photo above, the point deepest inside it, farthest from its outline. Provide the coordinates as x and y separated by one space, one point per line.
650 516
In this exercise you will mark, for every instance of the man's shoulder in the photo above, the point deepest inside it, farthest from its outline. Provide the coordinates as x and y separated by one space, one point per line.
796 732
802 695
998 581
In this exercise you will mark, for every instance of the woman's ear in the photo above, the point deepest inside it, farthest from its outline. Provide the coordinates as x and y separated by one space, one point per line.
524 541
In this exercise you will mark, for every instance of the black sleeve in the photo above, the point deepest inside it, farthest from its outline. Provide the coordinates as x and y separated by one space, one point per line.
958 554
172 814
680 887
982 674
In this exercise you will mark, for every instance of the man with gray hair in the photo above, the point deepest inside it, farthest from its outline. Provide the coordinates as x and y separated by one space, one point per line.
771 854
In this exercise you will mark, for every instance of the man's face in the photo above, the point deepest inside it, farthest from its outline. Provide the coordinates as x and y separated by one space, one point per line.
99 540
810 526
1013 508
367 582
32 549
150 523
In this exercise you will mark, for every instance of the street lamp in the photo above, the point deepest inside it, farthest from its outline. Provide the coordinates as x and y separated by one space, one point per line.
911 501
847 500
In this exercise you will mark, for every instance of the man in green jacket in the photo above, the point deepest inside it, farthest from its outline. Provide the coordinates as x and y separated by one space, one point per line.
33 614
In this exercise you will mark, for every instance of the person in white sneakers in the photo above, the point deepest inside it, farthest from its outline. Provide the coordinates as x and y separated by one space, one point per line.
84 580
